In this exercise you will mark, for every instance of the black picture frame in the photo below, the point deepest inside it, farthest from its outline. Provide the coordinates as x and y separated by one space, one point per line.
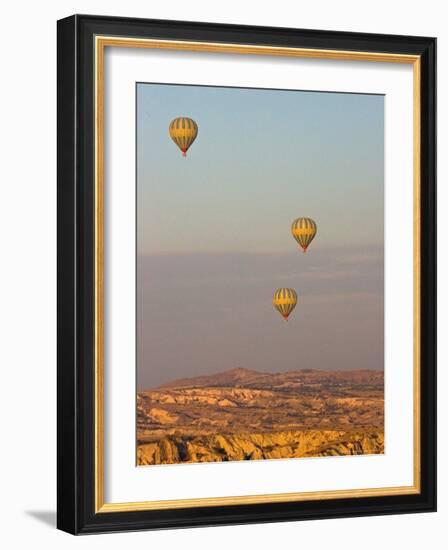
76 286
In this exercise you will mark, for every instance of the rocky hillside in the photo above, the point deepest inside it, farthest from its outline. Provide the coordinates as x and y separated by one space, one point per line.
247 415
245 446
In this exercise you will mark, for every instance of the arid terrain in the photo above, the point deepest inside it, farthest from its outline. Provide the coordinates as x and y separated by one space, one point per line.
243 414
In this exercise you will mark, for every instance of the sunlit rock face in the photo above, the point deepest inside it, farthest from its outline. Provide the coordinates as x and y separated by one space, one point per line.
248 415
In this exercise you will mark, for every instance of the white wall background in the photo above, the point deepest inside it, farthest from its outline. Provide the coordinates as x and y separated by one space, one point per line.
28 271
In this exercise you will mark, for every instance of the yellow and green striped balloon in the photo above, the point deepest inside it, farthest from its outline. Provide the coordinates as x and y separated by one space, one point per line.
284 301
183 131
304 230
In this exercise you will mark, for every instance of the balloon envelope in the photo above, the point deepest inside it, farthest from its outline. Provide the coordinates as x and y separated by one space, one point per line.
304 230
183 131
284 301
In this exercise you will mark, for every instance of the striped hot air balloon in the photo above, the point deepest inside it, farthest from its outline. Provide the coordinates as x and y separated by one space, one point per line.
183 131
304 230
284 301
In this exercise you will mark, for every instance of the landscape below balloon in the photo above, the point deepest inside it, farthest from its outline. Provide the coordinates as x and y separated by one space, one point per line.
248 415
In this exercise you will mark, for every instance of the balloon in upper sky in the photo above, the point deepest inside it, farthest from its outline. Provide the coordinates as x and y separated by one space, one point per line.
284 301
183 131
304 230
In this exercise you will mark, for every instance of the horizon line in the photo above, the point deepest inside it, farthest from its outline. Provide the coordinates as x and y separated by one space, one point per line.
259 252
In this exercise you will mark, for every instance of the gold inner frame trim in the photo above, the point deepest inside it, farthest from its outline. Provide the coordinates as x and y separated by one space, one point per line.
101 42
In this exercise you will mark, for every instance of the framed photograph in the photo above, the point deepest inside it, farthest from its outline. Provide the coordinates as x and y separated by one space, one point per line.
246 274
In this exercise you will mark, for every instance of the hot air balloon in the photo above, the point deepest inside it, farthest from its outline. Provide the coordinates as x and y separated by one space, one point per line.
183 131
304 230
284 301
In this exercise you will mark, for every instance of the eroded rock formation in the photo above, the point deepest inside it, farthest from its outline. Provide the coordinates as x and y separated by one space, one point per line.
247 415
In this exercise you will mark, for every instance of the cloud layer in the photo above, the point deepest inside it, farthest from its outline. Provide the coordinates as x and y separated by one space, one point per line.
204 313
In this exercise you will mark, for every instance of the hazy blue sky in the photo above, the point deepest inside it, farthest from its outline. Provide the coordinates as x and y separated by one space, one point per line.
214 240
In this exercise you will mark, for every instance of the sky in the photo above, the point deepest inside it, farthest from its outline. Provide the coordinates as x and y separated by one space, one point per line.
213 231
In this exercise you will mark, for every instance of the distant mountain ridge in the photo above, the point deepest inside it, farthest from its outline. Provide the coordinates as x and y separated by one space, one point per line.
248 378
